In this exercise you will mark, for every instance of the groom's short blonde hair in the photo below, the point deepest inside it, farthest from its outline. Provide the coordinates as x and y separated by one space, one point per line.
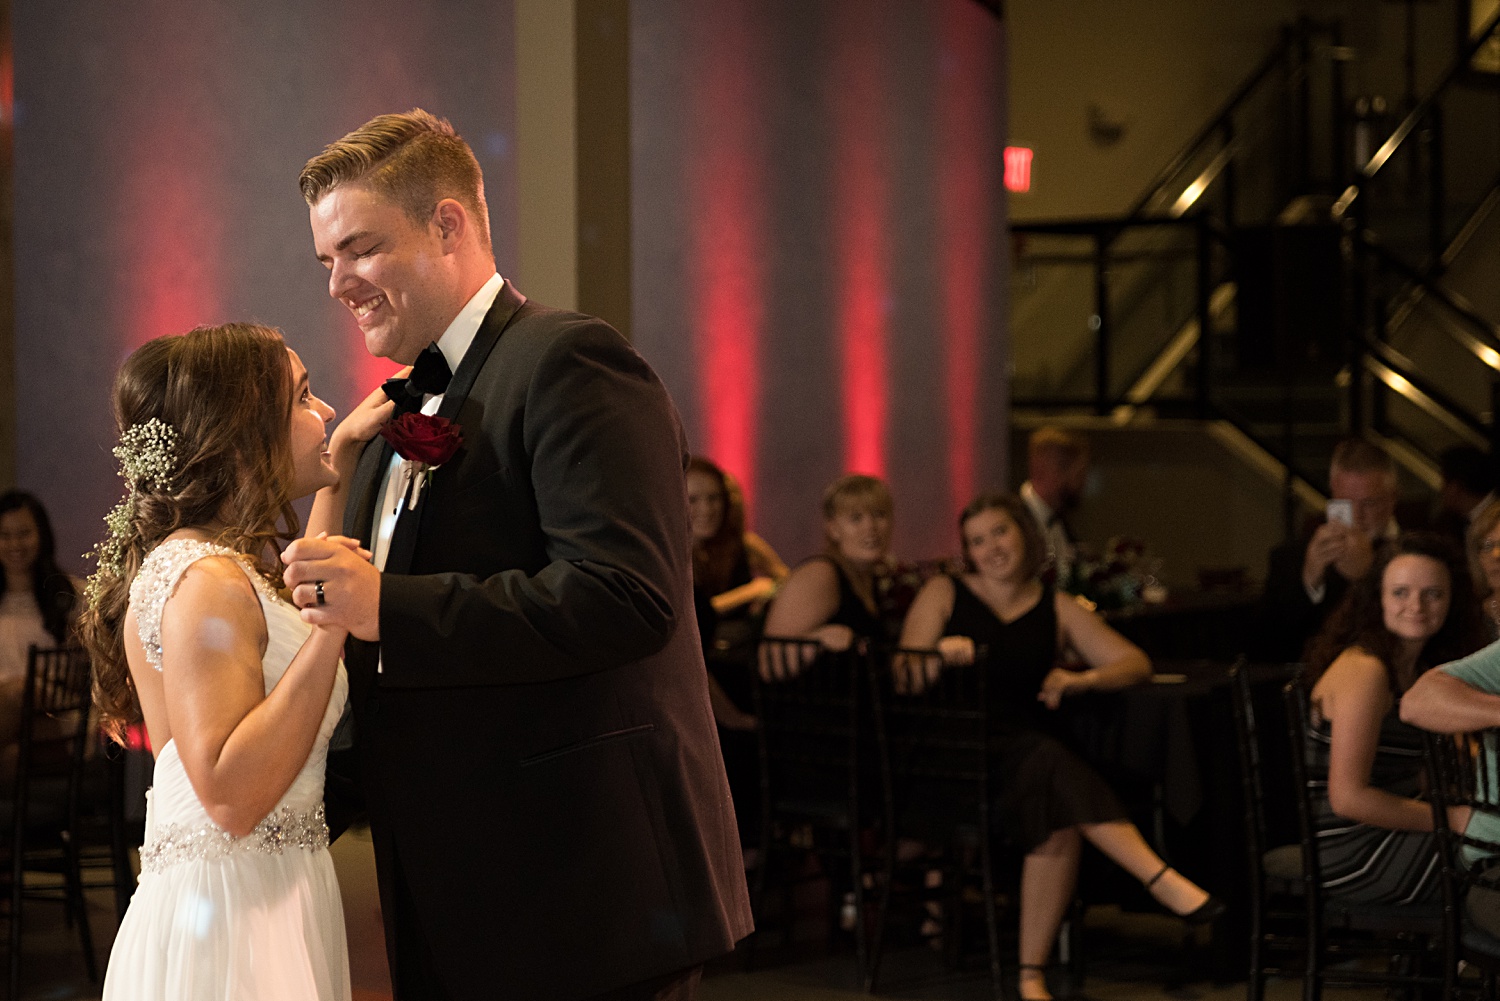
415 159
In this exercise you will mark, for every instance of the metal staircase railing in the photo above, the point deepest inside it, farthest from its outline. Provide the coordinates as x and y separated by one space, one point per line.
1147 289
1423 362
1123 310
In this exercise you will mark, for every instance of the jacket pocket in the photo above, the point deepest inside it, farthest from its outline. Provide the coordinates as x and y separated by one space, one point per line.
595 741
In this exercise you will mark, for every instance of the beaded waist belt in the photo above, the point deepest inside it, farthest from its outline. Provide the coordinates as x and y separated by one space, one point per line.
282 830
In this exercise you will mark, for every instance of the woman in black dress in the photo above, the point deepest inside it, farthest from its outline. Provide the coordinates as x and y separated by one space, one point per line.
1050 800
735 573
834 597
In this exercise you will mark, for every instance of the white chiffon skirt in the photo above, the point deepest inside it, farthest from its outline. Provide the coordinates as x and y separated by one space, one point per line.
243 926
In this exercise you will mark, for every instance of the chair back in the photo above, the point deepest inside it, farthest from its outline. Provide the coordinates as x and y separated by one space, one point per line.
54 741
936 736
1462 772
55 707
1310 788
54 730
811 705
1247 741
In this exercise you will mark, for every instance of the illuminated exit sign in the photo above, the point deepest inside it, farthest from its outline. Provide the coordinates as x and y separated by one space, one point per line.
1017 168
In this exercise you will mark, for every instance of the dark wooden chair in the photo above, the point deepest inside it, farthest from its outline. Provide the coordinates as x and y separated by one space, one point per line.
1334 930
818 778
55 735
105 836
935 744
1462 772
1275 874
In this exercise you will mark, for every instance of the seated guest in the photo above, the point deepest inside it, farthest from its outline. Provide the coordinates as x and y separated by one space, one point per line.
834 597
1308 577
38 602
1057 468
735 571
1468 488
1050 800
1484 562
1413 609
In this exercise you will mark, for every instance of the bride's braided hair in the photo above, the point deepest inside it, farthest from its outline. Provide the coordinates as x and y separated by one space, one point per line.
225 394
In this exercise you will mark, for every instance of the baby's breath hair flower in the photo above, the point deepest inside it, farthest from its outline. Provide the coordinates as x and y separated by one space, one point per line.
148 459
148 454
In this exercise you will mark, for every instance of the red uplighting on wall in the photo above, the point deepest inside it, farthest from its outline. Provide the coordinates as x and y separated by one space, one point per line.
7 85
860 224
964 210
171 224
1018 169
724 184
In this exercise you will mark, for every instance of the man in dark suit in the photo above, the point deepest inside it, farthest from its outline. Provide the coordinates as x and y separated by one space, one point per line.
535 744
1307 577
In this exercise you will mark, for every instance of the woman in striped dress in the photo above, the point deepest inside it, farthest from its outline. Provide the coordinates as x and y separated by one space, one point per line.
1415 608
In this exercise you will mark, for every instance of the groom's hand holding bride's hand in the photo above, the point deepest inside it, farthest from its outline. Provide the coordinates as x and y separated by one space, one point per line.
350 584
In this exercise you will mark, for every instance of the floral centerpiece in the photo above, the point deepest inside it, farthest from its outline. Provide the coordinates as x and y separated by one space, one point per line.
1124 575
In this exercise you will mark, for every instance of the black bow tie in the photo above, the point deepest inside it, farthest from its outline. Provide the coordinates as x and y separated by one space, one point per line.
429 375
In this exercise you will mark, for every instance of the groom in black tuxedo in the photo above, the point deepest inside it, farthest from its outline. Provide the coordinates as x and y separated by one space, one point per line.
534 741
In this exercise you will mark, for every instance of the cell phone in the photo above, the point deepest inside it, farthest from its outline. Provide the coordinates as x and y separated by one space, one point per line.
1341 512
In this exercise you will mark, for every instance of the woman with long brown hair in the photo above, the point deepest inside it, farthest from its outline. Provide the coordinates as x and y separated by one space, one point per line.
735 573
220 432
1414 609
39 603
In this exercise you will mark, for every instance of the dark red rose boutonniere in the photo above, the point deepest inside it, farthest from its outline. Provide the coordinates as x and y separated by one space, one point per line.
424 442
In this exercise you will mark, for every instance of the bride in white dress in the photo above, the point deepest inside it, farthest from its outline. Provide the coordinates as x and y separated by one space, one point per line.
237 896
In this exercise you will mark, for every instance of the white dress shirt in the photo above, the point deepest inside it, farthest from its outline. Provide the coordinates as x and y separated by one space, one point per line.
1060 548
454 343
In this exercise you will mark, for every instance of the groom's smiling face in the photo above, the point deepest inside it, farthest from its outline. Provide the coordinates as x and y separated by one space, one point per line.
389 270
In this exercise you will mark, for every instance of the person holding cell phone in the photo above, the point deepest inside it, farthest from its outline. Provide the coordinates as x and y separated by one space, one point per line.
1307 577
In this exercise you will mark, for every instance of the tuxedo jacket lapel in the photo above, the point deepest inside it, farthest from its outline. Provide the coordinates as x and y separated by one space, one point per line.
404 537
359 516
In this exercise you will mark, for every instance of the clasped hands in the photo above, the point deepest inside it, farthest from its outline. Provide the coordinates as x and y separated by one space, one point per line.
350 592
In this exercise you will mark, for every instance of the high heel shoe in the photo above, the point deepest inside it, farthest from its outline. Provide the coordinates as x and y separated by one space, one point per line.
1041 969
1205 913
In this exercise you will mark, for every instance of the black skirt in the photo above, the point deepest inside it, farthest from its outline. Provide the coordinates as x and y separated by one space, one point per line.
1044 787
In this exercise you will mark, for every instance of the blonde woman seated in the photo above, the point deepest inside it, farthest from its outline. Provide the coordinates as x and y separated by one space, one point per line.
1412 610
833 598
1049 800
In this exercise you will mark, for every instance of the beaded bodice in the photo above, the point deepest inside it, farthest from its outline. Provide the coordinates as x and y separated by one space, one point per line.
178 828
157 579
